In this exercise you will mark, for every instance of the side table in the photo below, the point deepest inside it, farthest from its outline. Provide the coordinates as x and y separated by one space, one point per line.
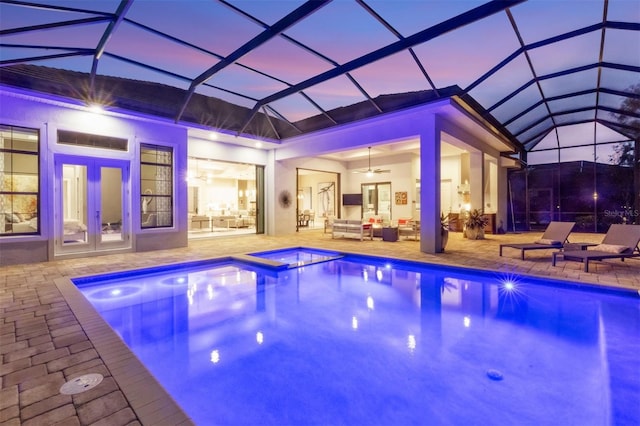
390 233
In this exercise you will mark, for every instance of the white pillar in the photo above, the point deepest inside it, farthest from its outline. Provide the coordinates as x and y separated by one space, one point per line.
430 236
476 180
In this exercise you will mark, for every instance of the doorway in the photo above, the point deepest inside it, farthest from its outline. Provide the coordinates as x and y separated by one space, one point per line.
376 200
91 205
224 198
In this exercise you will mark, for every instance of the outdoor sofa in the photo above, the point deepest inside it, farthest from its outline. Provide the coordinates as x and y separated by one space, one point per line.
351 228
620 242
554 237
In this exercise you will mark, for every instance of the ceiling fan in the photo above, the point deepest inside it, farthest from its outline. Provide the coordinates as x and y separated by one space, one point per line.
370 171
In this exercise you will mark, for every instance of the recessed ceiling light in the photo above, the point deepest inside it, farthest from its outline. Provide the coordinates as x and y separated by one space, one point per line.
213 136
258 144
96 108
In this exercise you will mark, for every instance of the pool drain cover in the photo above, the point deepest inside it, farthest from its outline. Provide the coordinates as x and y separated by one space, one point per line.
494 374
81 384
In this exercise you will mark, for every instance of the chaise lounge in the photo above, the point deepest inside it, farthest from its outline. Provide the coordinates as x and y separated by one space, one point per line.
620 242
554 237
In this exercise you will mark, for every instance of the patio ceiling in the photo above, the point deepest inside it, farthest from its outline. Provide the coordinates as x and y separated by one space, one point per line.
530 67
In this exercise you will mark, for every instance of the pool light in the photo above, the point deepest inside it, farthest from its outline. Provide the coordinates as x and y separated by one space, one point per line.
209 292
411 342
370 304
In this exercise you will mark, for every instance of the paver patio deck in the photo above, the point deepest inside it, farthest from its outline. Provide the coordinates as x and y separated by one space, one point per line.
50 334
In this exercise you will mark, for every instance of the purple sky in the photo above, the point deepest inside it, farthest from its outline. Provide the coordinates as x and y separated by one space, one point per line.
343 31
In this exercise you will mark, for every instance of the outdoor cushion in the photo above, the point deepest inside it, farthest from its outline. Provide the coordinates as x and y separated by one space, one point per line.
548 241
610 248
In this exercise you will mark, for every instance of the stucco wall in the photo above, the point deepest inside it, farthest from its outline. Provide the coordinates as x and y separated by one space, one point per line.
50 115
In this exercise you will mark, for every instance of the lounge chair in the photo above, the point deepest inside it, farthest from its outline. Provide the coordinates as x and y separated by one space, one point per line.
620 242
554 237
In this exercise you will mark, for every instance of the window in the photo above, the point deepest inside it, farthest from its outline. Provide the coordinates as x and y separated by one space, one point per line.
95 141
156 186
19 180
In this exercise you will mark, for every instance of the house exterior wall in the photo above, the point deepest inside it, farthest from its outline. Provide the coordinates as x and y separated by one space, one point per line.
50 115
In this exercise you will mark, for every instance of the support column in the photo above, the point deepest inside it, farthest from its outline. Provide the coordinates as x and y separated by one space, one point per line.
636 183
430 236
503 197
476 180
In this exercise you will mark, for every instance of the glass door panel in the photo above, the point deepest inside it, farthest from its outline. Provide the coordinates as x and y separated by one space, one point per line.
369 199
111 204
91 207
384 202
376 200
73 227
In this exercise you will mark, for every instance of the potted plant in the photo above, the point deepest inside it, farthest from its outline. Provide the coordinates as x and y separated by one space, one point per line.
474 224
444 230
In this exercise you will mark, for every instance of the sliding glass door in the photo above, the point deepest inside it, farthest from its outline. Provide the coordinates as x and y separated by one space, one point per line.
376 200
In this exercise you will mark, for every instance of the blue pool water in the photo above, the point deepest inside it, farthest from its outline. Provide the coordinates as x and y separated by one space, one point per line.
298 256
363 341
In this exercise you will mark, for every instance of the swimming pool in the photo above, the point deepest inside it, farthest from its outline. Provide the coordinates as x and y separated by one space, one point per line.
363 340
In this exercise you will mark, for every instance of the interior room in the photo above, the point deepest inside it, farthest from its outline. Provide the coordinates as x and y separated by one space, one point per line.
221 198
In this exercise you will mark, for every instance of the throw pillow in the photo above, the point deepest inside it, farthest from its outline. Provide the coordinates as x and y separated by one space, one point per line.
611 248
548 242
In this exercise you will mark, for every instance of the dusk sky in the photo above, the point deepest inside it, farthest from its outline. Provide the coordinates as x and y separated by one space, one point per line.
344 30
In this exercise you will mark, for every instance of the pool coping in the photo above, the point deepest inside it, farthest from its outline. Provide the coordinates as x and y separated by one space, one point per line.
151 403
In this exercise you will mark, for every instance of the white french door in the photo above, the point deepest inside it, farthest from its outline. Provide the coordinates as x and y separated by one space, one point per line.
91 204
